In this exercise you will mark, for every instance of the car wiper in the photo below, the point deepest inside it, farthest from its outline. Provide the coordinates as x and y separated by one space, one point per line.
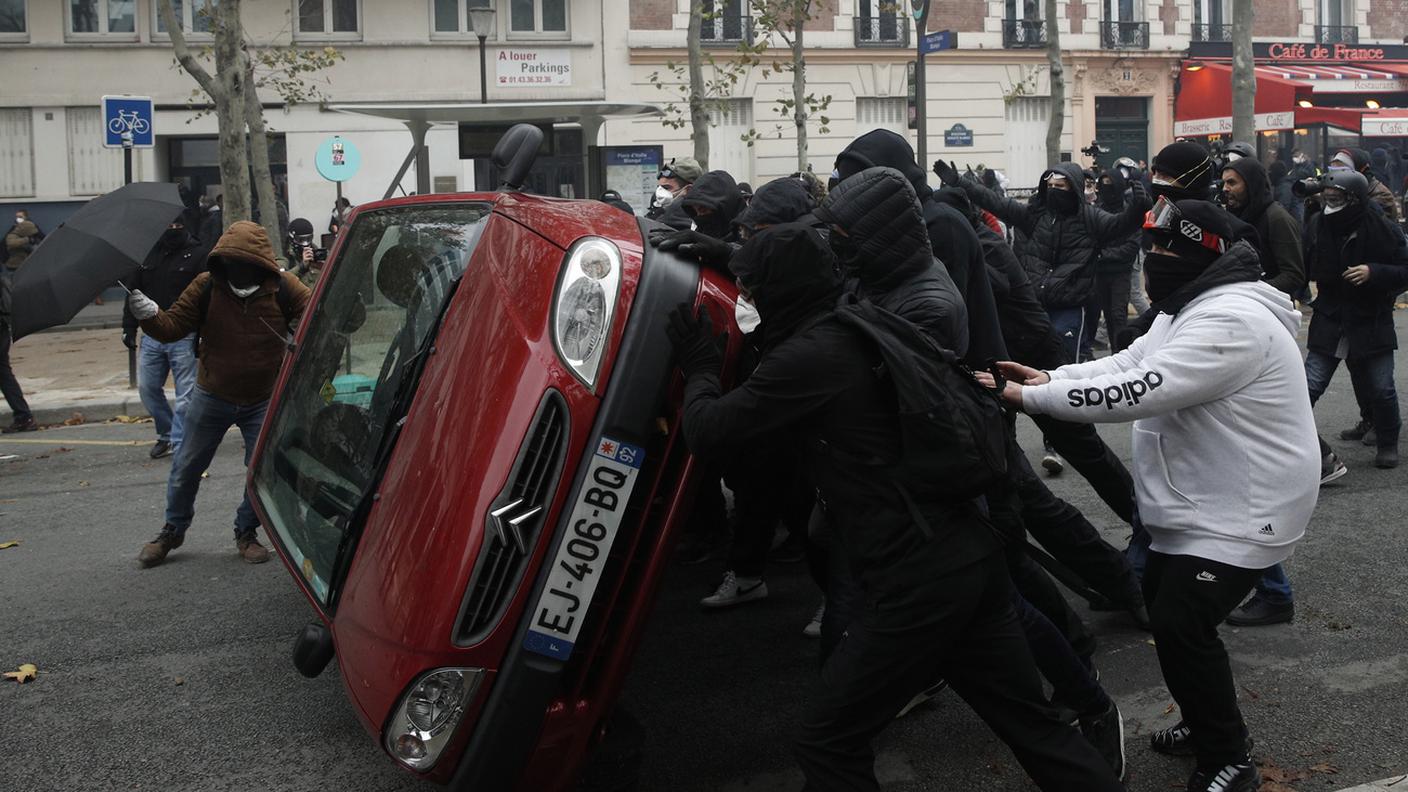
411 372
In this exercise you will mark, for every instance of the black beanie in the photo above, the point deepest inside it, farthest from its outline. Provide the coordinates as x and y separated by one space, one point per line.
1189 164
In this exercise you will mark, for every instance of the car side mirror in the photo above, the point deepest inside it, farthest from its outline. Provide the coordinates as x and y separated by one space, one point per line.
515 153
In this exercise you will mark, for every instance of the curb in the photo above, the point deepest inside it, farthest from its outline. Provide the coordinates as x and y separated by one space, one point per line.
1394 784
92 412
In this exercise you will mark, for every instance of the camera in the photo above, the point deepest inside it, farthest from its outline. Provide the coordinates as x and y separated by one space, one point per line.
1094 150
1307 187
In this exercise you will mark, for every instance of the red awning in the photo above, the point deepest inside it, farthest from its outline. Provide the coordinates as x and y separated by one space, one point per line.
1386 123
1341 117
1204 103
1342 78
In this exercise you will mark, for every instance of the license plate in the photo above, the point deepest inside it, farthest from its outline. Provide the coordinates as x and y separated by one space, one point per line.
558 616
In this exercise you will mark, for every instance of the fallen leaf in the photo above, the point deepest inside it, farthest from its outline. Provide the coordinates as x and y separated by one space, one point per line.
9 500
75 420
205 474
1324 767
1251 693
1150 641
27 672
180 681
8 545
1170 708
82 483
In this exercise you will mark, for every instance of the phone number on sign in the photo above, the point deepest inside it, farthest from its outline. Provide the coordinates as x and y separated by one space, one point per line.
531 79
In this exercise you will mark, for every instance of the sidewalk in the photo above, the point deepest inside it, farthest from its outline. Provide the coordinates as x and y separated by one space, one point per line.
82 371
1395 784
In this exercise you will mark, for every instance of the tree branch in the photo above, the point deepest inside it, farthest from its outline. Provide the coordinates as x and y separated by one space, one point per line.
183 51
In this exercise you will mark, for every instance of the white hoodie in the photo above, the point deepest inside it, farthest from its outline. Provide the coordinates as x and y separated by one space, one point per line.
1226 461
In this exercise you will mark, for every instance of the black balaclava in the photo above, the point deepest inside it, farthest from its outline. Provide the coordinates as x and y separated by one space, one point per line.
239 274
1189 164
1062 202
717 191
790 276
175 239
1110 190
1202 235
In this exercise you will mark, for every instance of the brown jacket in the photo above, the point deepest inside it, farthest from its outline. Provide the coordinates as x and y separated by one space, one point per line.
1380 193
19 241
241 339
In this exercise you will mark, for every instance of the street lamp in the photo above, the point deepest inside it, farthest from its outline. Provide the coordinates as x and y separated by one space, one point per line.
481 20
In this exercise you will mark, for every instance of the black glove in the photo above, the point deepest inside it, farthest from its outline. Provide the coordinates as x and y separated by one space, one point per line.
696 349
947 173
700 247
129 339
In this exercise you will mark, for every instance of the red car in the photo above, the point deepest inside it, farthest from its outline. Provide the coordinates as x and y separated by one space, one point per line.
473 467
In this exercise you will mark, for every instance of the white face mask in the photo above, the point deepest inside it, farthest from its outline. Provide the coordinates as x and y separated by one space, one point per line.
1162 182
19 219
1298 160
663 196
1233 156
746 315
1329 210
242 293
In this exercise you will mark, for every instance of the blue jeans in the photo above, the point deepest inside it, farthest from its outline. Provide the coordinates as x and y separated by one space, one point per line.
1372 379
1068 323
155 360
1274 587
207 420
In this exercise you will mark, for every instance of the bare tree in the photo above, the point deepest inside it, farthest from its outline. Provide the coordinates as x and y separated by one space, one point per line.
259 158
226 89
698 113
1243 73
788 19
1058 86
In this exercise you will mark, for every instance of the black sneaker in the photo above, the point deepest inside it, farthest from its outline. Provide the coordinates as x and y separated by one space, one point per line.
1357 433
1257 612
27 425
791 550
161 449
1239 777
1370 438
1105 733
1176 740
1386 458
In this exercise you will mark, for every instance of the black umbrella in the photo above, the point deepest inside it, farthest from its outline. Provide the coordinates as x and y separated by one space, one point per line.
102 243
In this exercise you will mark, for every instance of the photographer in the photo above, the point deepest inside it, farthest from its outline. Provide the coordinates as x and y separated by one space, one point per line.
305 259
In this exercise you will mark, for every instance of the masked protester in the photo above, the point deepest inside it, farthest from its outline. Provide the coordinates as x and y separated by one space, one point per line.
1360 161
1227 479
241 313
1113 267
710 206
305 258
165 273
1246 191
933 605
672 184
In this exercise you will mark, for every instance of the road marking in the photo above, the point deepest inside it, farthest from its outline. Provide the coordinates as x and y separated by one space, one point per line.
67 442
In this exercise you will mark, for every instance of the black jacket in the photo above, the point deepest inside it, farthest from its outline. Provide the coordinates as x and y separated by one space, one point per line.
950 235
1361 314
165 273
717 192
1062 251
891 263
1277 239
1117 258
818 383
779 201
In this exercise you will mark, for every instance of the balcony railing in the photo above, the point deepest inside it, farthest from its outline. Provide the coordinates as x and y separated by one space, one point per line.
721 29
1217 33
1124 35
1336 34
886 30
1023 33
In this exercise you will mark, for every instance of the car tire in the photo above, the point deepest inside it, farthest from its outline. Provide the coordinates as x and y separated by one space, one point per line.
614 765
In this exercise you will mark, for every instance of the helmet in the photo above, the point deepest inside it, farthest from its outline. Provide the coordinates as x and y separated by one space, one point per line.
1353 183
1241 150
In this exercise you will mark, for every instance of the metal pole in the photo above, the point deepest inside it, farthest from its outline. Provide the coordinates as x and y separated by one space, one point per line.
127 179
921 98
483 73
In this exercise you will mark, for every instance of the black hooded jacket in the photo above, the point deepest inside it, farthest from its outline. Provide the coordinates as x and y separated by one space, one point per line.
166 272
950 235
1363 315
891 263
1277 233
1061 251
1117 258
718 192
818 383
777 202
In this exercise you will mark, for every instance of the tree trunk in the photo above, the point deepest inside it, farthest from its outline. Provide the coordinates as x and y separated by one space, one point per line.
1243 74
799 82
1058 85
229 112
698 112
259 161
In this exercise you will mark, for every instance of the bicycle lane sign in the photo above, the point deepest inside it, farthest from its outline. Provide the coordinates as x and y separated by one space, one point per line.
128 114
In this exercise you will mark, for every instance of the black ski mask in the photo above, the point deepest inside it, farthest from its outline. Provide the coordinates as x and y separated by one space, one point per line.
174 238
1063 202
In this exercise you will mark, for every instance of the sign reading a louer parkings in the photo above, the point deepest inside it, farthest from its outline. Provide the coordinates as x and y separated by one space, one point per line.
520 67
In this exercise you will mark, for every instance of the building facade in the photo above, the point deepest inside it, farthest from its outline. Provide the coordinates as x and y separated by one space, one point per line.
987 100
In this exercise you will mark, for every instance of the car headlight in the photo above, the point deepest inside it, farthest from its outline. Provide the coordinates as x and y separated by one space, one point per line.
586 300
428 714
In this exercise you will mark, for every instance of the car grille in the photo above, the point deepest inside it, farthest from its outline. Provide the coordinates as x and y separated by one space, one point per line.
512 525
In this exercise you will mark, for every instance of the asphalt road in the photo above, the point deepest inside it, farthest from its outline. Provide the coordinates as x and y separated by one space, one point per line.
178 678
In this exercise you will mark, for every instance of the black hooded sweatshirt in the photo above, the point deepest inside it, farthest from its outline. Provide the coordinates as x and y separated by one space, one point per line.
1277 237
166 272
777 202
817 381
1116 259
1061 250
950 235
1362 315
717 191
891 263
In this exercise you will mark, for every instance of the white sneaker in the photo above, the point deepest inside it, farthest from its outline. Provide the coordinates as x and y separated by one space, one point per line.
813 628
922 697
735 591
1053 463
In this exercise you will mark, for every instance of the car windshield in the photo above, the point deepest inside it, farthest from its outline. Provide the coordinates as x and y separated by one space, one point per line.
355 374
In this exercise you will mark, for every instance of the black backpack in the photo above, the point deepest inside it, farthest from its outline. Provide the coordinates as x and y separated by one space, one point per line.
953 430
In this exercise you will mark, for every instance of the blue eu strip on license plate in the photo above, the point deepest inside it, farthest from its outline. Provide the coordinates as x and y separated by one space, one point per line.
556 620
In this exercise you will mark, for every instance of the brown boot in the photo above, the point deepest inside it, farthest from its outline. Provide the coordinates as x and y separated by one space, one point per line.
154 552
251 551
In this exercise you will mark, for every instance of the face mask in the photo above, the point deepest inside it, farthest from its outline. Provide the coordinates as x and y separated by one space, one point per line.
1298 160
1164 274
663 196
746 315
245 292
1233 156
1062 201
1110 192
19 219
1329 210
173 238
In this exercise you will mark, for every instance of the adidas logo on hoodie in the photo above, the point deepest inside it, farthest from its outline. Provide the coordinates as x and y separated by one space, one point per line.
1130 392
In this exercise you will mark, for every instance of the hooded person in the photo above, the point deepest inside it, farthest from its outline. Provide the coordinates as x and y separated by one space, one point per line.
1280 177
1246 191
1361 161
777 202
953 241
1064 237
1225 474
940 603
163 276
1115 263
241 312
710 206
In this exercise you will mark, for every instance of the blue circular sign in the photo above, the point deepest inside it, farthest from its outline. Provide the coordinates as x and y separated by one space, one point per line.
337 159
